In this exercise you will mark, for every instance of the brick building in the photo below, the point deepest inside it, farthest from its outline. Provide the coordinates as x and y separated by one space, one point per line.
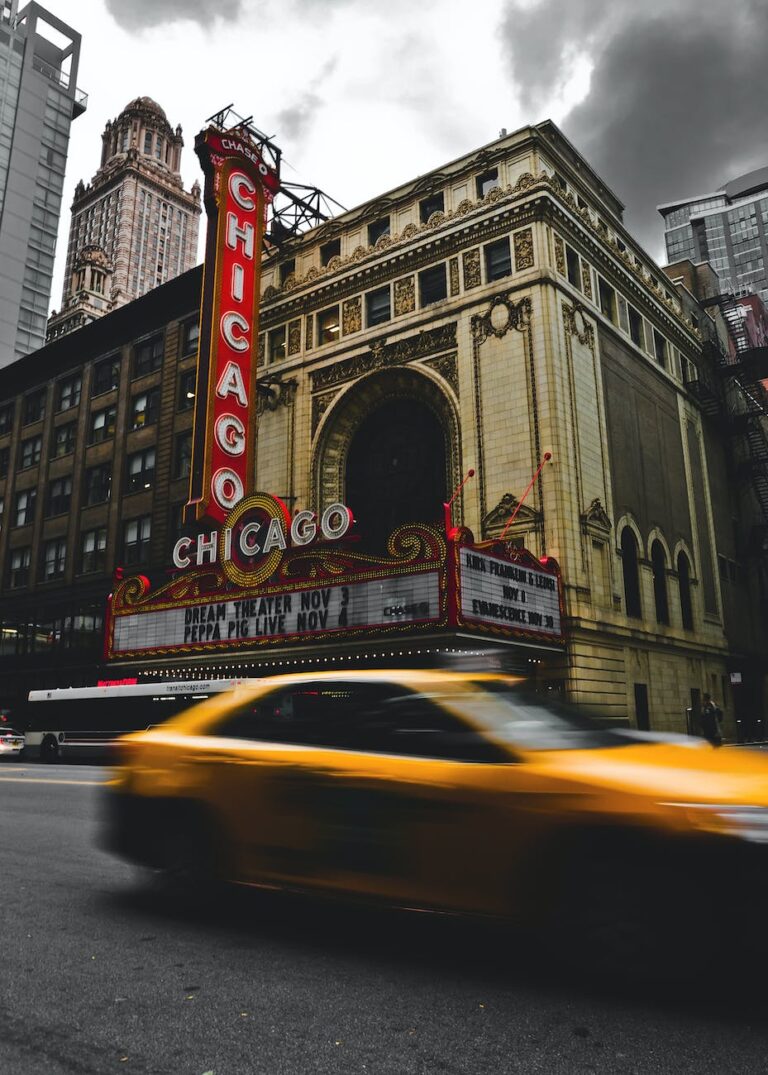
477 317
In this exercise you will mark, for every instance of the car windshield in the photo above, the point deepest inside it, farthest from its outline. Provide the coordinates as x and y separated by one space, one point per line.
516 715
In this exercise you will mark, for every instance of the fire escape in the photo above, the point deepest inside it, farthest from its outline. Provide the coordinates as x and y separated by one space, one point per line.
729 390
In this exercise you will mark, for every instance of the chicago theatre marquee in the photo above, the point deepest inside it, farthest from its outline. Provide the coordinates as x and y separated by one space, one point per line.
459 416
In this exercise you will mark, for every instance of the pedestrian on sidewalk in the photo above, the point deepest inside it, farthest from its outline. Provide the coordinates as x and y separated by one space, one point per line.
710 720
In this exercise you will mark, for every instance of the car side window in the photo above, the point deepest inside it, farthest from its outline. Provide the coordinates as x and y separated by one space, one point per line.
376 718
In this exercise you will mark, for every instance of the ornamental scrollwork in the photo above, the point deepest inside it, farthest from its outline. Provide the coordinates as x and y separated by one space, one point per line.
405 295
294 337
351 315
276 393
447 367
576 324
383 355
471 263
523 243
502 315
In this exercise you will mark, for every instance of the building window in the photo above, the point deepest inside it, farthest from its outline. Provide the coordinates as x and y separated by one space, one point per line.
30 452
498 261
93 550
148 142
486 182
287 268
330 250
435 203
5 455
140 470
684 585
148 356
378 306
660 349
276 344
59 495
102 425
98 481
106 376
659 565
145 408
68 393
136 535
377 229
34 407
187 390
54 558
176 528
328 325
635 326
63 440
182 455
25 507
190 337
18 570
573 267
629 567
6 418
607 300
432 285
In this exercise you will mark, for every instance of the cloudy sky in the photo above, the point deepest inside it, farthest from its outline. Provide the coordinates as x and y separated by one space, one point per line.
665 98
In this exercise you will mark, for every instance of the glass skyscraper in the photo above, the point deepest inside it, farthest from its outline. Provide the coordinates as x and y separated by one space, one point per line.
728 228
39 57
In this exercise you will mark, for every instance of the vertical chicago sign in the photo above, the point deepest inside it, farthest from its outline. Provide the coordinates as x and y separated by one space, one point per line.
238 188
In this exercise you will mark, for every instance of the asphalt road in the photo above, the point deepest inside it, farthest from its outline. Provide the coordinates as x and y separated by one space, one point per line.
96 976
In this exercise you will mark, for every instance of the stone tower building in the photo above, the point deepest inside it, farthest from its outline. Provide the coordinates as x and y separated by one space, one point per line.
135 210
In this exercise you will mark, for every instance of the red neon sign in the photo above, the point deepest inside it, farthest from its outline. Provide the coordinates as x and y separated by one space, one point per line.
238 188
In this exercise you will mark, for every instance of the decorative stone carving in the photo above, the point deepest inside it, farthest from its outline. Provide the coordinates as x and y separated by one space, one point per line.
464 207
576 324
493 195
358 253
523 241
277 393
383 355
527 518
290 282
383 242
447 367
586 280
405 295
595 521
269 293
436 219
320 405
260 354
309 325
409 231
334 263
471 263
559 254
351 315
502 315
294 337
453 275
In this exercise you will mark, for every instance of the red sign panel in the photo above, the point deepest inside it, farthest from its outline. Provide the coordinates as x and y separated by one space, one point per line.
238 188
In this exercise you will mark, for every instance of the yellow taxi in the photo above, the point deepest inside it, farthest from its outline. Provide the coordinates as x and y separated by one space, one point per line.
445 791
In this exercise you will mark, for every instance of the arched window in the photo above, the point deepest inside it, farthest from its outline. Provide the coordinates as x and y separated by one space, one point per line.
631 577
659 565
684 582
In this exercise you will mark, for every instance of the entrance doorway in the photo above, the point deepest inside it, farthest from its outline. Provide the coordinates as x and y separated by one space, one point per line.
396 470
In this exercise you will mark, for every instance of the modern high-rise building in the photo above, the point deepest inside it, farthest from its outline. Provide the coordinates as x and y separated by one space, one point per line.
728 228
134 226
39 57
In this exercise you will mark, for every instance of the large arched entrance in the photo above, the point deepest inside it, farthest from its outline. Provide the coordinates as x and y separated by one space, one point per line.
396 470
389 448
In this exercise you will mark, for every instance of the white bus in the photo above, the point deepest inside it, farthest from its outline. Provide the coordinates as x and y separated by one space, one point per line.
80 722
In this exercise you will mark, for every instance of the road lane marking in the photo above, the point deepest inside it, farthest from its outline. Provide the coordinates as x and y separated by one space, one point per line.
49 780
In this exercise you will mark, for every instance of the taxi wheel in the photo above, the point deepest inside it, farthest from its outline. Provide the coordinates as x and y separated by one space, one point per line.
189 862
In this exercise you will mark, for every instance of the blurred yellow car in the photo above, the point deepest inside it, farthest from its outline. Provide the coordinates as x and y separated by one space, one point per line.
446 791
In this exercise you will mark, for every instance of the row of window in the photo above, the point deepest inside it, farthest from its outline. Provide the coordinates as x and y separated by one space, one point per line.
616 308
147 358
432 203
632 599
145 411
139 476
432 288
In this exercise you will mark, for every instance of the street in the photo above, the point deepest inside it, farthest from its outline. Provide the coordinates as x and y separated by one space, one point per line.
95 976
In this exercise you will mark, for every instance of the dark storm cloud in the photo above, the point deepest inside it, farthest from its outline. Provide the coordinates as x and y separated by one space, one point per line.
294 122
676 104
143 14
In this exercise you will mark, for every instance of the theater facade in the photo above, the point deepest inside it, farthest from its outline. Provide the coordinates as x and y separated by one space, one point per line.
487 337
